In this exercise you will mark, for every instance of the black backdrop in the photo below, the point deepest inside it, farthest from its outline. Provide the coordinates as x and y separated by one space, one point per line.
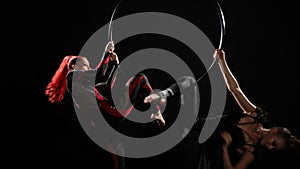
260 44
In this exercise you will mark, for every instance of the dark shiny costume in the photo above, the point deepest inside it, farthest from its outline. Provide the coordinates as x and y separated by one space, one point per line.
208 155
211 158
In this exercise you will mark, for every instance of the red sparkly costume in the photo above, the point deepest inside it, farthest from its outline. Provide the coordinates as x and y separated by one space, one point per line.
87 86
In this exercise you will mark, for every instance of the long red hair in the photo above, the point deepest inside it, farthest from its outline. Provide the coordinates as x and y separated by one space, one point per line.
57 87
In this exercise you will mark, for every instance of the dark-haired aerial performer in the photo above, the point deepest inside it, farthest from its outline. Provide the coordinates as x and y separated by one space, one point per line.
238 145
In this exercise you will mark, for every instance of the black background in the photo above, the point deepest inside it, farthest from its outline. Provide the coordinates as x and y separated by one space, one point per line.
260 44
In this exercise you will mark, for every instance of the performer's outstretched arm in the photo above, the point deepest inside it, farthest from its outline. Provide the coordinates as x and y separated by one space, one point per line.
107 68
232 83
